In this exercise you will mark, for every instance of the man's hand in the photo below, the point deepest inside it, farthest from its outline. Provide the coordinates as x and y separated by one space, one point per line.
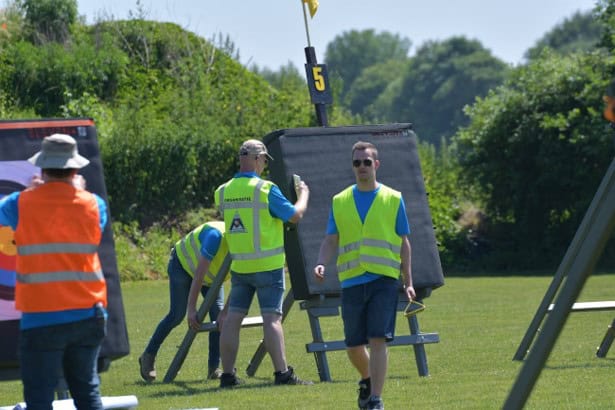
192 322
35 181
319 272
410 293
79 181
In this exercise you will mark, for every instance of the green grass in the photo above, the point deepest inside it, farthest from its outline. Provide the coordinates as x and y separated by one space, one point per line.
480 322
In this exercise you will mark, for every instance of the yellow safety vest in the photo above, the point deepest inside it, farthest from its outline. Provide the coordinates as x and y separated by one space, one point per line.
255 238
372 246
188 250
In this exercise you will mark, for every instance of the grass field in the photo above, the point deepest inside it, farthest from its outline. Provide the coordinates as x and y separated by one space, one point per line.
480 322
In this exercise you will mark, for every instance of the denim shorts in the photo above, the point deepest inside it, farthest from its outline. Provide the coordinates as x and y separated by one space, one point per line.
369 311
269 288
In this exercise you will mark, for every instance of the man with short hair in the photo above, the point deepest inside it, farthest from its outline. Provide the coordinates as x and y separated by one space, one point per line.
368 227
194 263
254 211
60 288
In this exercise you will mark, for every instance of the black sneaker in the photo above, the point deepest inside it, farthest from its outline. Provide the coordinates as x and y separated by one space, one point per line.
289 377
147 367
375 404
229 380
365 389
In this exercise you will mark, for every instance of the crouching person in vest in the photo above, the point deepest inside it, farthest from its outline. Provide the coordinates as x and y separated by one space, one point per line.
60 288
369 230
254 211
195 262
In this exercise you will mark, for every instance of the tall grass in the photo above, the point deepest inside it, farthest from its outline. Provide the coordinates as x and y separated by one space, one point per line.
480 322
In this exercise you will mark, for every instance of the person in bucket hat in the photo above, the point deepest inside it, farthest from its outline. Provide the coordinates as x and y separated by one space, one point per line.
60 287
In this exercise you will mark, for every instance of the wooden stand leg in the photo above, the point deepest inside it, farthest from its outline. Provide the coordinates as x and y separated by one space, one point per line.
607 341
209 300
320 357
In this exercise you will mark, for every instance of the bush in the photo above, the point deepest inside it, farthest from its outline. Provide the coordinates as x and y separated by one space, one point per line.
161 175
142 255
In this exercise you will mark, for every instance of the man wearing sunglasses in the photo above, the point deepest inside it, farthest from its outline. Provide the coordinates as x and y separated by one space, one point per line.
254 212
369 229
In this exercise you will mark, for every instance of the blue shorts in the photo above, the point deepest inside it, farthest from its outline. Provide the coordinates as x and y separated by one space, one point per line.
269 288
369 311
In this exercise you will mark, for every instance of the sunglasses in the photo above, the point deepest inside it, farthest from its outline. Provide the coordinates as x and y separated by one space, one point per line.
366 162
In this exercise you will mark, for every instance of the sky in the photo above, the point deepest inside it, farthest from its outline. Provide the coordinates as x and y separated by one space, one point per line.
272 33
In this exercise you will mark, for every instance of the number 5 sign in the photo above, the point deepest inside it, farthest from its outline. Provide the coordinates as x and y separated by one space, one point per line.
318 83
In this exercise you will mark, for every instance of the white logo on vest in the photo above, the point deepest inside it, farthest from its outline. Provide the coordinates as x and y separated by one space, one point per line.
237 224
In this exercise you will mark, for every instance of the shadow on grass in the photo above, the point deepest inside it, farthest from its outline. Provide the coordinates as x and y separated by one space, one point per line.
187 388
592 365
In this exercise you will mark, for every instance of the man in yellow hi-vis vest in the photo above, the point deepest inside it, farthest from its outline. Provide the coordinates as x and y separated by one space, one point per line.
369 228
254 211
195 261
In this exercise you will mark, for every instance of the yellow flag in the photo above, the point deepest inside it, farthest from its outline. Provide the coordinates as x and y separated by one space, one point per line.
312 5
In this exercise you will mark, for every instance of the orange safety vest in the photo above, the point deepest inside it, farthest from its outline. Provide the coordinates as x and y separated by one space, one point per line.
57 240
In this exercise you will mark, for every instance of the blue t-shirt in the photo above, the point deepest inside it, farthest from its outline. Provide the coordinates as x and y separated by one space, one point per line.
279 206
9 211
9 216
363 201
210 243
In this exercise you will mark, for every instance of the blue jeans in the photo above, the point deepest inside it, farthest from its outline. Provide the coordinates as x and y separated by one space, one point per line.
369 311
268 286
179 289
70 347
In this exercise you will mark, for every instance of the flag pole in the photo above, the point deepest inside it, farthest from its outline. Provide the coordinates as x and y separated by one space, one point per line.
305 20
316 74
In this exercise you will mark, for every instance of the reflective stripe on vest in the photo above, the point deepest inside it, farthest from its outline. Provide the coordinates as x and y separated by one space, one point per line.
66 276
189 247
57 240
371 246
56 248
257 259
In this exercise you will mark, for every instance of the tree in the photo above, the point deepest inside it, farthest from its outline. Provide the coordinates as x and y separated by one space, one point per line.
353 51
439 81
580 32
371 83
285 78
605 9
537 148
50 20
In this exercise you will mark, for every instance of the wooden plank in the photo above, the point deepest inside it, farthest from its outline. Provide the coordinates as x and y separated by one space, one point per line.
246 322
589 306
422 338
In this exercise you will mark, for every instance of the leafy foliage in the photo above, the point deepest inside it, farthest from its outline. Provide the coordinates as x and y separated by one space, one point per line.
285 78
537 148
605 10
439 81
49 20
440 172
580 32
42 76
370 84
353 51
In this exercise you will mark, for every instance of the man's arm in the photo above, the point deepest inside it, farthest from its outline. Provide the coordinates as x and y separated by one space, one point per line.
303 195
9 210
406 267
327 250
195 288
